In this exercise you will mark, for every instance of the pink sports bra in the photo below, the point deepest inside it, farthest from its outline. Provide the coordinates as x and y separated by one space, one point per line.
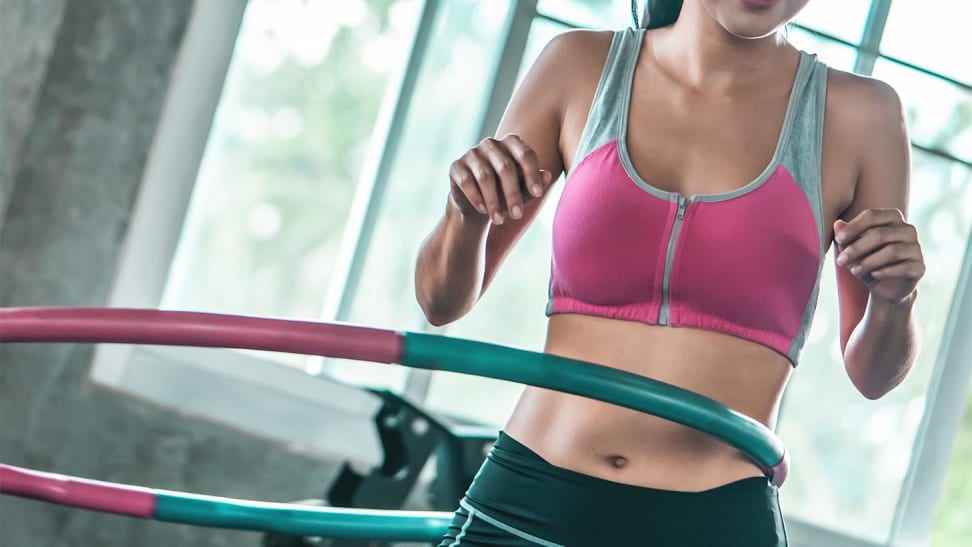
745 263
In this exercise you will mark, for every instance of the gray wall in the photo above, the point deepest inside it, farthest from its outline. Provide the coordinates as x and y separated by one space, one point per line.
27 33
82 87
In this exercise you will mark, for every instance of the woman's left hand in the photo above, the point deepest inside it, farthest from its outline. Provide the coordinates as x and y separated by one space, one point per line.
881 249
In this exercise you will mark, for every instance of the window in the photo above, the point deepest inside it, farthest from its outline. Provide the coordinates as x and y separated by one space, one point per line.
444 116
953 528
310 90
850 455
285 153
327 163
932 34
843 19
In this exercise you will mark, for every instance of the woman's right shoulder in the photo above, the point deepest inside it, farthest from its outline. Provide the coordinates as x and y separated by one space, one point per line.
582 40
569 64
579 49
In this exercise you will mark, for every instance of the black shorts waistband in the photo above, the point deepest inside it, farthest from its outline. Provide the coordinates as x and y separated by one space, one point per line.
507 450
518 487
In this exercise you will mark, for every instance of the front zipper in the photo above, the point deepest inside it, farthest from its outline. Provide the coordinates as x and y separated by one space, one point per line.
663 313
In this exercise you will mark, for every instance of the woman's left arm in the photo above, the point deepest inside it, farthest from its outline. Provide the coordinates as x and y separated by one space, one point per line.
879 259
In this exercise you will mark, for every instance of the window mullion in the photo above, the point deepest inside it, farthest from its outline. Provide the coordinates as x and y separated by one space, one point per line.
363 216
946 400
558 21
877 19
520 20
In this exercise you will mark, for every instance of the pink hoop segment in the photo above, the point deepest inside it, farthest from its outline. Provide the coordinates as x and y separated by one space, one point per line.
136 326
133 501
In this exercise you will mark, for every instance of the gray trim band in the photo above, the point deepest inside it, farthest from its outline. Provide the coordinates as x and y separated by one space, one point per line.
463 530
596 117
473 512
799 79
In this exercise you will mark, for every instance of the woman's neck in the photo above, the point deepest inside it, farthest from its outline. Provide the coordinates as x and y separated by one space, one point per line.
701 54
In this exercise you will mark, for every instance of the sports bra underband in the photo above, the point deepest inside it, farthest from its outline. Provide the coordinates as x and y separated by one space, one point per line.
746 263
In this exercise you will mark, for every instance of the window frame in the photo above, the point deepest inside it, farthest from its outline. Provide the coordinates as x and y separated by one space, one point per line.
948 395
167 186
156 225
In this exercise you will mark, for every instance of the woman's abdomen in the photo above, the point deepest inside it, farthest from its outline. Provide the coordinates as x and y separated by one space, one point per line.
628 446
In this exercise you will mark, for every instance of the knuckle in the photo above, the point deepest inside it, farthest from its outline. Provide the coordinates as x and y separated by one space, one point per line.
463 179
505 166
520 153
469 162
483 174
529 155
456 169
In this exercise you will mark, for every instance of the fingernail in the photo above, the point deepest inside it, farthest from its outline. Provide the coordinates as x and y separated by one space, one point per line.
482 209
516 212
840 238
856 270
497 218
536 190
841 260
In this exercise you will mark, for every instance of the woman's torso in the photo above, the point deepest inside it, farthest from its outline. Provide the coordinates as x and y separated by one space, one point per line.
690 143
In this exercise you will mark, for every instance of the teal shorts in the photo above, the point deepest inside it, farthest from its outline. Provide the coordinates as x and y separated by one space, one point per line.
519 499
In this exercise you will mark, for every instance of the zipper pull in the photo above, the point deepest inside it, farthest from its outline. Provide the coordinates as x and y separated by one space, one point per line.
682 205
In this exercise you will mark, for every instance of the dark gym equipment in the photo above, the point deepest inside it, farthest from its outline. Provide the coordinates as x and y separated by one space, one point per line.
409 437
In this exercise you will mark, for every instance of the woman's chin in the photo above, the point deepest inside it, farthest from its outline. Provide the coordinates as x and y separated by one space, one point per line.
753 30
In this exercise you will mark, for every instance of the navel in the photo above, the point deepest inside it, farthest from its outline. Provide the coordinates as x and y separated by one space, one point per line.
617 462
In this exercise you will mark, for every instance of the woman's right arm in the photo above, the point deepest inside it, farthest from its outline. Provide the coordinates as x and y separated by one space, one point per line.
493 194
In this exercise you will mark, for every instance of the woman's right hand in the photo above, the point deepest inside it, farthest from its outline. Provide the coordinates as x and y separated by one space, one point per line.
496 178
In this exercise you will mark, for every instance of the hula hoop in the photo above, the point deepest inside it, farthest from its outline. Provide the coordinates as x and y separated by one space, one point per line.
417 350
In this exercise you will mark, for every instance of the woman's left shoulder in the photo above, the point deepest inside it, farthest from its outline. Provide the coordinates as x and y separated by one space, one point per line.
865 132
861 103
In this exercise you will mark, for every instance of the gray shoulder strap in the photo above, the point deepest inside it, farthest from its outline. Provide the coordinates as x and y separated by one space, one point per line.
803 149
612 90
802 157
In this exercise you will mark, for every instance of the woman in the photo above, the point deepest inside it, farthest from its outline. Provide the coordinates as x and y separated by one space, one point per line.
710 164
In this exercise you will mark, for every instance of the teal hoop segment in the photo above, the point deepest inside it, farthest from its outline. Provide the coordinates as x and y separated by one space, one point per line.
602 383
288 518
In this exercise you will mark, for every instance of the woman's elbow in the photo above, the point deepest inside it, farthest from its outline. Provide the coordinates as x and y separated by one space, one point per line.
435 315
873 389
437 310
872 395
